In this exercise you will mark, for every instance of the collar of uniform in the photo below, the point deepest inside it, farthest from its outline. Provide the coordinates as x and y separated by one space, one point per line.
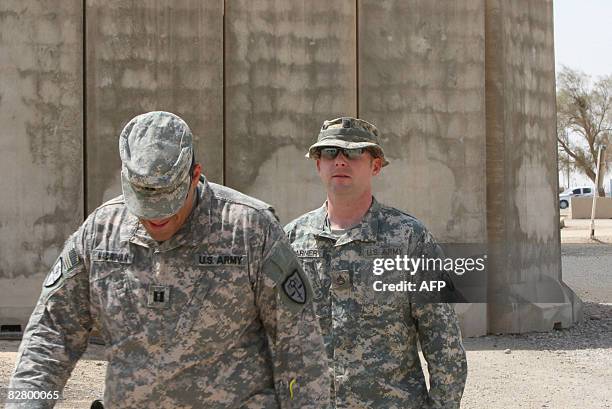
193 230
366 230
129 229
318 224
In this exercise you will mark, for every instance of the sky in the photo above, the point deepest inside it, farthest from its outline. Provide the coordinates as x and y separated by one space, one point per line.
583 35
583 41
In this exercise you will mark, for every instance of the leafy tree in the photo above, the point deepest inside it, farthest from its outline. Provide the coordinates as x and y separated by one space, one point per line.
566 165
584 121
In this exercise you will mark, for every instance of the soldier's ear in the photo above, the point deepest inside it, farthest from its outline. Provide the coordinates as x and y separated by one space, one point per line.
196 172
376 166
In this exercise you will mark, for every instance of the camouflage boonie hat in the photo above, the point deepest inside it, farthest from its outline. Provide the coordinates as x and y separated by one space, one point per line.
156 150
349 133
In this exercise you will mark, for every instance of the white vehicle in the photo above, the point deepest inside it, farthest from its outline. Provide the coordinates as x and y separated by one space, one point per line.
564 198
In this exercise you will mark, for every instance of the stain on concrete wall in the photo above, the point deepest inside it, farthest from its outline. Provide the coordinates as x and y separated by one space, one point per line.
521 147
280 177
421 81
40 139
289 66
144 56
522 177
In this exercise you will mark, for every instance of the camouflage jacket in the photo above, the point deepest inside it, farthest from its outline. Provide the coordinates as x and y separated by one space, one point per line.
218 316
371 337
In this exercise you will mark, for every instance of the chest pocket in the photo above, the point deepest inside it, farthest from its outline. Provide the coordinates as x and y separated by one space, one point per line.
384 295
112 290
221 304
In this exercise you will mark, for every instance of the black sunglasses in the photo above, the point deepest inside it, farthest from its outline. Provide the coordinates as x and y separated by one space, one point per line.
332 153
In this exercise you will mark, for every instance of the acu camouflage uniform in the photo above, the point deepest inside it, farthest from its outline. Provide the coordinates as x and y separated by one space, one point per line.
218 316
371 337
198 321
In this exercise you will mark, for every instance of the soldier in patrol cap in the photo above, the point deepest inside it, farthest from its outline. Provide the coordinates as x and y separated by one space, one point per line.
371 336
199 298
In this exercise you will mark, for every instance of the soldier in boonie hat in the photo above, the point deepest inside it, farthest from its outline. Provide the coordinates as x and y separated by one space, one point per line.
156 152
350 230
348 133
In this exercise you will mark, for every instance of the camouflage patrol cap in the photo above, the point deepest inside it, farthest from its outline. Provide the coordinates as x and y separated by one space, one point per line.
349 133
156 151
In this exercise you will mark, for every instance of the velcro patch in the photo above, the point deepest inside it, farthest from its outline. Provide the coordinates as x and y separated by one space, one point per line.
295 288
56 273
158 296
221 259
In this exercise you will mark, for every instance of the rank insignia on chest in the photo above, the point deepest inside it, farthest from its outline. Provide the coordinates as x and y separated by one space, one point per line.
294 288
158 296
220 259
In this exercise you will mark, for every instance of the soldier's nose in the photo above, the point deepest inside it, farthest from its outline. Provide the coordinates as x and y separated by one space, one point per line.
340 160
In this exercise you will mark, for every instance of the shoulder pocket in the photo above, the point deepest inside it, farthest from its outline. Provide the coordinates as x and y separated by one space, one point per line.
291 283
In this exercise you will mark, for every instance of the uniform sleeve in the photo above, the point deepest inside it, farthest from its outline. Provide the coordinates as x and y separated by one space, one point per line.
57 333
440 338
284 299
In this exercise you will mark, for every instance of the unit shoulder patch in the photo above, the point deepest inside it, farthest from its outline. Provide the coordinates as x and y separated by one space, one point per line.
55 274
295 288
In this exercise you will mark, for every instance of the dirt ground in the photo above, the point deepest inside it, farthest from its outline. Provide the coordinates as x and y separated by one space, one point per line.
566 369
85 384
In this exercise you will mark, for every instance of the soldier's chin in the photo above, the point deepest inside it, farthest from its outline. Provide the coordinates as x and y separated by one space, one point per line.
159 232
342 186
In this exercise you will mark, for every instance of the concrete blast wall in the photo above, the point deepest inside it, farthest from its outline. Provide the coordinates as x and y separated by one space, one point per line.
462 92
145 56
582 207
522 182
289 66
41 139
421 70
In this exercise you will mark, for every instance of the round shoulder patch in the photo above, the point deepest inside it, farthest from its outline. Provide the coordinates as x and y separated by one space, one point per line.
294 288
56 273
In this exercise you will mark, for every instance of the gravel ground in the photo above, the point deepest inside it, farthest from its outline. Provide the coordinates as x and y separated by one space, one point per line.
85 384
565 369
587 269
